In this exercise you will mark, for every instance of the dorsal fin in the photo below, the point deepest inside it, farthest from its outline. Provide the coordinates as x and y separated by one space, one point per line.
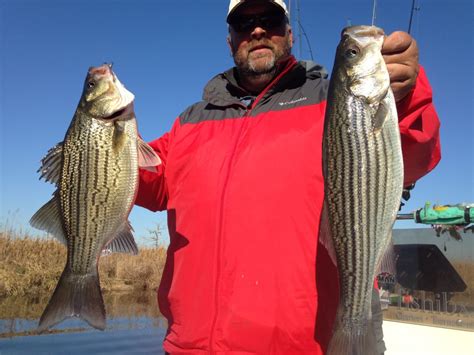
48 219
51 164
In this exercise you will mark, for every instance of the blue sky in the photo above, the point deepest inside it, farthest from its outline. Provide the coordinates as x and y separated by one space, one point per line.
166 51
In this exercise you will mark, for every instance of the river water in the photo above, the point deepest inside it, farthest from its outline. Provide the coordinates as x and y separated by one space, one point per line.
134 326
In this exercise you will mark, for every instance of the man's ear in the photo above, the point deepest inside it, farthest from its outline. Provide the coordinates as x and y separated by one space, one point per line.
290 36
231 47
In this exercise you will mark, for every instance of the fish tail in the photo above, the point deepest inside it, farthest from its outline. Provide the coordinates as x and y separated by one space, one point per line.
75 296
353 338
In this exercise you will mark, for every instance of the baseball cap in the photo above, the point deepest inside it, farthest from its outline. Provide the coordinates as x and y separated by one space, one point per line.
235 4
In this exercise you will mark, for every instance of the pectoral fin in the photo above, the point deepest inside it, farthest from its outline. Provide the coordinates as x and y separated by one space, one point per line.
378 119
387 262
48 219
147 157
325 237
51 164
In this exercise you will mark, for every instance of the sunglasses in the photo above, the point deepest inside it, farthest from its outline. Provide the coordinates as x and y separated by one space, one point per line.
246 23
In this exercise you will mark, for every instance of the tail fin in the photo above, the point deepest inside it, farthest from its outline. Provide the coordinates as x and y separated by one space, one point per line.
75 296
352 338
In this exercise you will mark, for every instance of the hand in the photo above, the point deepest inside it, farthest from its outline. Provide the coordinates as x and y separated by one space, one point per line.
400 53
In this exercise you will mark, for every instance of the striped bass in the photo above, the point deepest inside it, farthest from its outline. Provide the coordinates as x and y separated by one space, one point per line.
363 171
95 170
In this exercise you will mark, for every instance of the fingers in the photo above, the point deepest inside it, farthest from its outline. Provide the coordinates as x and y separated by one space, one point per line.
400 53
402 79
397 42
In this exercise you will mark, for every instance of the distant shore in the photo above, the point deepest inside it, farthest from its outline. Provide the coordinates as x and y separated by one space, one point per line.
32 266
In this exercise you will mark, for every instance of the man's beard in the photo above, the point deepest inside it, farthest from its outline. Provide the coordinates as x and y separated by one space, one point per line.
251 68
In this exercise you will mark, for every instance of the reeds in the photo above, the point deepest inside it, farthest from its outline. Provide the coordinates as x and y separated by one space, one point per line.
32 266
466 271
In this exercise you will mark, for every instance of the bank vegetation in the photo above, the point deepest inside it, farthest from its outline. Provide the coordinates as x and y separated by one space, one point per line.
31 266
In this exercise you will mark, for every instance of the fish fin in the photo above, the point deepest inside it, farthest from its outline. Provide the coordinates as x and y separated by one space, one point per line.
75 296
119 137
48 219
147 157
357 338
124 241
387 262
325 234
51 164
380 116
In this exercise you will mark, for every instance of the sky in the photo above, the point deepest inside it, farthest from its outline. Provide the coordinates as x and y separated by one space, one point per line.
166 51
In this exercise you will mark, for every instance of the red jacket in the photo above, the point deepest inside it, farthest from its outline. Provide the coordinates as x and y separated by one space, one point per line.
244 189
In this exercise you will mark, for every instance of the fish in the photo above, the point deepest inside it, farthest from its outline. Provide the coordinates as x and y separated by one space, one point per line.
363 177
95 171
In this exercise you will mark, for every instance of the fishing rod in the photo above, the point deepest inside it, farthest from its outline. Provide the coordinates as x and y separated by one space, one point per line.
413 9
301 30
374 12
458 215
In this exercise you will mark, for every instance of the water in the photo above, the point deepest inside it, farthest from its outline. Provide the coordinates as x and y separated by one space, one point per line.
147 340
134 326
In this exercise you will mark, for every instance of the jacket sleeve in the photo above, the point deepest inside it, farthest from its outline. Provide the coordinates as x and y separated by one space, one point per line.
419 129
152 191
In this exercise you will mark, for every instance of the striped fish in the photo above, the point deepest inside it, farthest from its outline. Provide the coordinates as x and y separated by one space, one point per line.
95 170
363 170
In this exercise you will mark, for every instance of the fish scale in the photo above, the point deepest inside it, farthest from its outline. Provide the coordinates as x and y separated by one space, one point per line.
87 198
363 170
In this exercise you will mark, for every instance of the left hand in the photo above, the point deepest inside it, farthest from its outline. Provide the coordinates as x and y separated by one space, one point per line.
400 53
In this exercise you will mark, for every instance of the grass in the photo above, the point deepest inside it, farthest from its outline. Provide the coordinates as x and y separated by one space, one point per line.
466 271
31 266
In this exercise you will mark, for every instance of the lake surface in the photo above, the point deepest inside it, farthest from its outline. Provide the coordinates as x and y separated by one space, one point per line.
146 340
134 326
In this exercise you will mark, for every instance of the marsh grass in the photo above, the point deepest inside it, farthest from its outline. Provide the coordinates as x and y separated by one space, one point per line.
466 271
31 266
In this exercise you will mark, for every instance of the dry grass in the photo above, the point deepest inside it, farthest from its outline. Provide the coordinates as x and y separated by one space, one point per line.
466 271
137 272
32 266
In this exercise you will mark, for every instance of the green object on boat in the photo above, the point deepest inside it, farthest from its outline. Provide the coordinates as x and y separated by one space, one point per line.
460 214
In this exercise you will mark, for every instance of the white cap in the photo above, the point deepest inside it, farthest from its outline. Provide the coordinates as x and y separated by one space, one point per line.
234 4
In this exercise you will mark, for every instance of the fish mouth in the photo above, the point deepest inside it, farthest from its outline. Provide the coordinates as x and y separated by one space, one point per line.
101 71
363 31
364 35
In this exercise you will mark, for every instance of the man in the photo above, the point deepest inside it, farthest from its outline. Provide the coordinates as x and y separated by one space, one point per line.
242 182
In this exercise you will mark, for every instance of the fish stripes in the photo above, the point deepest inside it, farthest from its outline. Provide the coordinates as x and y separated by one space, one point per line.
98 183
363 170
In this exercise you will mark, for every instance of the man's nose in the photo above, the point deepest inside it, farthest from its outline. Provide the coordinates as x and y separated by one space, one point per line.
258 32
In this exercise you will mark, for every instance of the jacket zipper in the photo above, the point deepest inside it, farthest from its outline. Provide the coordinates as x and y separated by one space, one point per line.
247 113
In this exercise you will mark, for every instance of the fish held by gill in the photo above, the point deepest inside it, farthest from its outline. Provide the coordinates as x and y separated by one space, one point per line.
363 171
95 170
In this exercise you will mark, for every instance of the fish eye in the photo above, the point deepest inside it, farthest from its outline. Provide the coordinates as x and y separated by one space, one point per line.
90 84
352 52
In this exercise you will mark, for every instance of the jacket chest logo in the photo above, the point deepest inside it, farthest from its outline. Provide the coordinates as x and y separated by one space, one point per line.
292 101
